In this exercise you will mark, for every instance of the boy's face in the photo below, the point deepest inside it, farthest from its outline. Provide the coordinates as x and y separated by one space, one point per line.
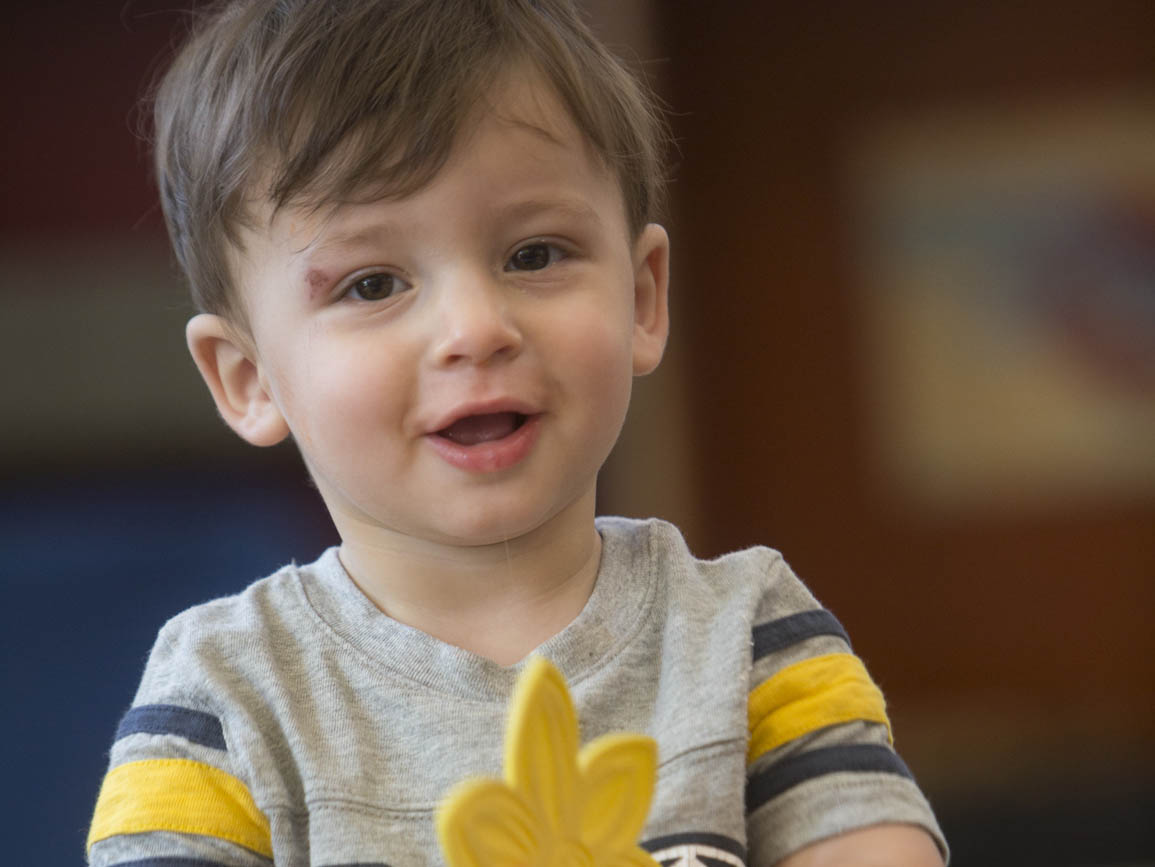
456 365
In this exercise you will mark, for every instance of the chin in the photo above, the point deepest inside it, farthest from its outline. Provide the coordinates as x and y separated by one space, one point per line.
481 534
491 526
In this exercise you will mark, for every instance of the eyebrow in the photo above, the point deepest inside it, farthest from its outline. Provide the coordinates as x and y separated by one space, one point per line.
379 232
566 207
368 235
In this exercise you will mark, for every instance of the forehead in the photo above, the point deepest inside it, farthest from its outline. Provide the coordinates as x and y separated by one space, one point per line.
519 150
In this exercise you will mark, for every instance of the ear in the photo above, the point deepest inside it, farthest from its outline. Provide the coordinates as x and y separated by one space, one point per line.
227 364
651 297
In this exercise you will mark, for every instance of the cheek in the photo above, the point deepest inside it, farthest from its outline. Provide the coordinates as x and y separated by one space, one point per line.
334 398
599 352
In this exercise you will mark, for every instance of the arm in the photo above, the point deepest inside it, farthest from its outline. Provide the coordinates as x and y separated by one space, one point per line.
824 785
876 846
175 791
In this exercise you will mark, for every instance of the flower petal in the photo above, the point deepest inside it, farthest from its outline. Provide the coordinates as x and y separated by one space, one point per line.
482 823
541 745
618 773
635 856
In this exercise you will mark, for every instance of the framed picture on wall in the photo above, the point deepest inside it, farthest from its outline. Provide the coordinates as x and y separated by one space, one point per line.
1009 266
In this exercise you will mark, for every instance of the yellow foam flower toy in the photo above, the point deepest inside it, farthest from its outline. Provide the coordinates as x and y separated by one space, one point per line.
556 806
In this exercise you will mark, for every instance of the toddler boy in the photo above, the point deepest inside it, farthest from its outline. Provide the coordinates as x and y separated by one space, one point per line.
419 233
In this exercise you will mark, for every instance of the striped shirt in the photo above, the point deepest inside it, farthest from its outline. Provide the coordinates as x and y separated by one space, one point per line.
297 724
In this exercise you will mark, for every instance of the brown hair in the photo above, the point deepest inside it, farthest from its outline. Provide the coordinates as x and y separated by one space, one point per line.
313 101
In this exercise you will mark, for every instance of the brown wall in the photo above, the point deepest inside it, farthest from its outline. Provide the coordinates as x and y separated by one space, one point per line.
1000 635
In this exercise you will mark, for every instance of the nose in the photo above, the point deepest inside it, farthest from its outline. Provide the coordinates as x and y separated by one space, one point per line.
476 322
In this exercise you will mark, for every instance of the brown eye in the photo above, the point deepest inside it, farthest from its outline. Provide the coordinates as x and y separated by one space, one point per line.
534 257
377 287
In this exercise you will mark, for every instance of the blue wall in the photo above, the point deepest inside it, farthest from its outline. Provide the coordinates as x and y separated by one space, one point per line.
91 569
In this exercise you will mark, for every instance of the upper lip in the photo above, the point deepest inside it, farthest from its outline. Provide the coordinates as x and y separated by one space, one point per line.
481 407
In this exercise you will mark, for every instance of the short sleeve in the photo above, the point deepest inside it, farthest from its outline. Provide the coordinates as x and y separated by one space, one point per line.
820 756
175 794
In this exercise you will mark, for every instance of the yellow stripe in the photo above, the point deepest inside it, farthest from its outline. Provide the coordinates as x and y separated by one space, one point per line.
810 695
179 795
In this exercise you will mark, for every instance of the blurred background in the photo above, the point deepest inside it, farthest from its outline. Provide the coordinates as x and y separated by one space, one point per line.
914 348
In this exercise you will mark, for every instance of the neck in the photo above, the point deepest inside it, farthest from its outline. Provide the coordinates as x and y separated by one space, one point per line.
500 601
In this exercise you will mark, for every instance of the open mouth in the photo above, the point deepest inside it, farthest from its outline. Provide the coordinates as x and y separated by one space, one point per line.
475 429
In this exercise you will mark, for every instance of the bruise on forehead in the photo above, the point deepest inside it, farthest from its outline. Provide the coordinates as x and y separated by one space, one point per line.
316 280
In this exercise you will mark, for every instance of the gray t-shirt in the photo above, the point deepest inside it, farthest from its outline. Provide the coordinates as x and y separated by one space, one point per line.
296 723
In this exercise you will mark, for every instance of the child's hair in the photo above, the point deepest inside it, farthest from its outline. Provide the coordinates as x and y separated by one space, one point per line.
313 102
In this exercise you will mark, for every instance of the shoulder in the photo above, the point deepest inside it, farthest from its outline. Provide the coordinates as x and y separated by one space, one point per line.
237 617
190 768
230 639
757 577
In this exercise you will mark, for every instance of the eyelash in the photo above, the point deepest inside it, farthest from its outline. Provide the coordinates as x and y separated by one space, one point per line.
555 252
352 290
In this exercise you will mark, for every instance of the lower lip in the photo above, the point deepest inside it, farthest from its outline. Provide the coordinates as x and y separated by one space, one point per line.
492 456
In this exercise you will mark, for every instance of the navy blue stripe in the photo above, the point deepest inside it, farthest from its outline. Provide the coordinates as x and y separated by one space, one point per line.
777 634
168 719
697 839
861 758
171 862
197 862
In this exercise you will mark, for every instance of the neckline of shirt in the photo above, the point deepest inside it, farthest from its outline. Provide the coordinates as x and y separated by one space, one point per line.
621 599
